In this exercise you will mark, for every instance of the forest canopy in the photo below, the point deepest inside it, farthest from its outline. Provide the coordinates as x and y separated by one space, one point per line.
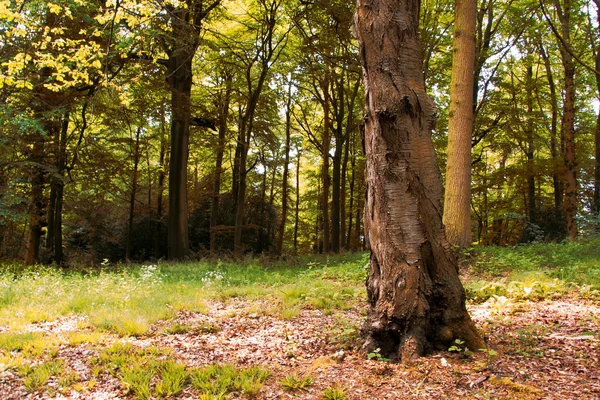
143 129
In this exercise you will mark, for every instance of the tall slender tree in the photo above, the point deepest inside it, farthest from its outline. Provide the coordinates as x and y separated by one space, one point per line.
457 199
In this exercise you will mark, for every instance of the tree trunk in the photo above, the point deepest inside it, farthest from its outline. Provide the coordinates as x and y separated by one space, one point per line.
186 24
568 118
286 162
336 187
223 116
457 199
136 162
160 190
325 169
531 206
180 78
596 202
554 147
416 299
38 202
297 216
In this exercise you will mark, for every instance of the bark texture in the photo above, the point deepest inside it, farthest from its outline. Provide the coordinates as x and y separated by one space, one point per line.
457 197
416 298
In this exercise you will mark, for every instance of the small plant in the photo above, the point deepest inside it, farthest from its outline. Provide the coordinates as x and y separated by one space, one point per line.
334 393
457 347
490 352
35 377
136 379
376 355
177 329
219 380
295 382
173 379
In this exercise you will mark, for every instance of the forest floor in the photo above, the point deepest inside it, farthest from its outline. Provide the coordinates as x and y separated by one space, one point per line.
543 342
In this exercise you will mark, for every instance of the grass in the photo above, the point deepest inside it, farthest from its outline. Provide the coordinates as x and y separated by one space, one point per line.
127 300
294 382
535 271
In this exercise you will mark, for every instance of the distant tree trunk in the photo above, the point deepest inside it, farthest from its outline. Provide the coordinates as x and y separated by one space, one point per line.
531 206
136 162
597 138
286 162
596 202
568 118
325 168
223 116
554 146
160 190
416 298
457 199
336 187
56 192
297 216
351 205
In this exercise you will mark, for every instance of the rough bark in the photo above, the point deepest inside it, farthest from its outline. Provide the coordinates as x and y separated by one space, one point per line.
415 296
457 198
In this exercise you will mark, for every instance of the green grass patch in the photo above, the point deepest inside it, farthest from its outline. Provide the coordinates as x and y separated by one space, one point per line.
535 271
294 382
128 300
217 381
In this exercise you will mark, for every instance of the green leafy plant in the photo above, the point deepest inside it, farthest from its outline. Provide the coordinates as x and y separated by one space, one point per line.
457 347
334 393
295 382
173 379
376 355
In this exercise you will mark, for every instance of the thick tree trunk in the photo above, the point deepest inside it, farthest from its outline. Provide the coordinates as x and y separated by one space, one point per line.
186 24
416 298
457 199
180 78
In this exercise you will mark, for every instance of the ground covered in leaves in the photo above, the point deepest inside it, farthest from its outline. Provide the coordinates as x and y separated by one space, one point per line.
243 346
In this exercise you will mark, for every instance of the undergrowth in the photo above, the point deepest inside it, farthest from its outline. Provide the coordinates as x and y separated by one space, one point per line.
534 271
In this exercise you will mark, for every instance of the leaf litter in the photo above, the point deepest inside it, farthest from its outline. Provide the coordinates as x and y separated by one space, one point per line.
547 349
